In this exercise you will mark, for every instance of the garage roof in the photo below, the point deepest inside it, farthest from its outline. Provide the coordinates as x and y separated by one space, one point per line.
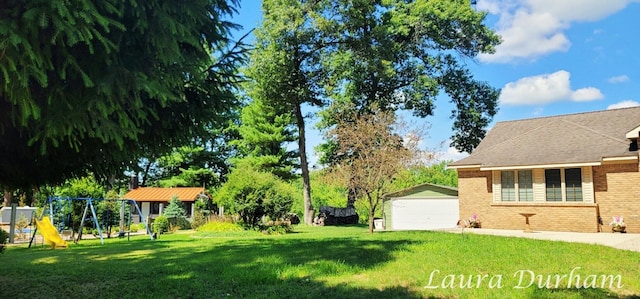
424 190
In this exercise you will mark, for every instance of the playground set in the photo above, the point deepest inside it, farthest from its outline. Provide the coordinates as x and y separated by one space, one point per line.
59 220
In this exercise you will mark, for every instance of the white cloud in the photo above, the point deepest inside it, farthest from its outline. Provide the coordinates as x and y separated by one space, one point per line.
451 154
623 104
546 88
618 79
533 28
586 94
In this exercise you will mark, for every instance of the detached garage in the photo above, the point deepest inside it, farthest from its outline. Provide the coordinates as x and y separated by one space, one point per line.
422 207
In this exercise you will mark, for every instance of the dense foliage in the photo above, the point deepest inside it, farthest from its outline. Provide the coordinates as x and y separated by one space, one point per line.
253 194
403 55
285 71
437 174
4 237
265 131
161 224
373 154
97 84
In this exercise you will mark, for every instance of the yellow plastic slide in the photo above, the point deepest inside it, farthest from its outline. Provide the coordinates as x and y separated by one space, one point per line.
49 233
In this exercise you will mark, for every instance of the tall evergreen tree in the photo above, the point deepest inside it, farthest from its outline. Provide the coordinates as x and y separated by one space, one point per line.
96 84
265 133
285 69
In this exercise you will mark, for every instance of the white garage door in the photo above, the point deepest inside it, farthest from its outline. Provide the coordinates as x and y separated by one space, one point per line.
424 214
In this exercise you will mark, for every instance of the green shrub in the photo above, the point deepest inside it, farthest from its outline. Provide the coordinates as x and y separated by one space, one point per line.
179 223
220 226
175 209
4 236
176 215
135 227
199 219
276 229
161 224
252 194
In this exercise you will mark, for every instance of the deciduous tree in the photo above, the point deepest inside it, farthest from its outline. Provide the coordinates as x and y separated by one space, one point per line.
374 153
403 54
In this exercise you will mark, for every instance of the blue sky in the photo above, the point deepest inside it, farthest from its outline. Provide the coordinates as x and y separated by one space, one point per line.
556 57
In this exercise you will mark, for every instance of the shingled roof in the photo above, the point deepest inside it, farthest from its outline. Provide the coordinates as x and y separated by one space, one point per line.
186 194
565 139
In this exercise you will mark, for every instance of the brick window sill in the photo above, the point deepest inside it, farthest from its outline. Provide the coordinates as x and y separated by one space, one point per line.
543 204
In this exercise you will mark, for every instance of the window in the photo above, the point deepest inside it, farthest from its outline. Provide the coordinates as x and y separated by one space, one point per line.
516 185
553 183
508 186
525 185
187 207
132 208
573 184
564 184
155 208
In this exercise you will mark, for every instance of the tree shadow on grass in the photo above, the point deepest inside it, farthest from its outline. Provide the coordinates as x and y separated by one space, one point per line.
192 268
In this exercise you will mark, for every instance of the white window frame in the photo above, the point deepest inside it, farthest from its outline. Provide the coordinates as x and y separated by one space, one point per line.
563 185
516 185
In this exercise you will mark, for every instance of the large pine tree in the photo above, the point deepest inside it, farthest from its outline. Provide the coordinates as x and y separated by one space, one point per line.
94 84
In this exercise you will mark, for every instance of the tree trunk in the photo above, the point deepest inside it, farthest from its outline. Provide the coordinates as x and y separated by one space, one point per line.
309 212
373 206
351 194
371 215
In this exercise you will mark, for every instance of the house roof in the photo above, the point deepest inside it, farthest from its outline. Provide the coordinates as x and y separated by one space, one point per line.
566 139
424 190
164 194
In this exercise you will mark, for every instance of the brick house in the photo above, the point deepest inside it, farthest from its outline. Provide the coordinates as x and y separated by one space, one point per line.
575 172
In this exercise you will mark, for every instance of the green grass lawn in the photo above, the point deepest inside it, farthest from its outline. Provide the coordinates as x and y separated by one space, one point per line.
320 262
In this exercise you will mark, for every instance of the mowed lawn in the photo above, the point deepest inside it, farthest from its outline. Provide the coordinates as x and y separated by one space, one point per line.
320 262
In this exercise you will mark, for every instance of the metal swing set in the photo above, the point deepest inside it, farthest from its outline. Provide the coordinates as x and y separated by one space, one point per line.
51 230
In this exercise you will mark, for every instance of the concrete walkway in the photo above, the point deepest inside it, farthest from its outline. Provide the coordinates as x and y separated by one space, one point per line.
615 240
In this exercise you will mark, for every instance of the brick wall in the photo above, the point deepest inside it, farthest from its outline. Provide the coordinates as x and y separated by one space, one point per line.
617 193
474 188
474 193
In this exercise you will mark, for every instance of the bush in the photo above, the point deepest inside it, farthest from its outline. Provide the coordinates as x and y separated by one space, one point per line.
161 224
178 223
253 194
220 226
135 227
176 215
4 236
276 229
199 219
175 209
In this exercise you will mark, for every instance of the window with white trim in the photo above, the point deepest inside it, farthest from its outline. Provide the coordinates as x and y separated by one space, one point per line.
573 184
563 184
553 184
525 185
516 185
